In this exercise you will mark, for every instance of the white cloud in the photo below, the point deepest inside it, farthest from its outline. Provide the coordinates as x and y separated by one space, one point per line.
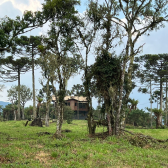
33 5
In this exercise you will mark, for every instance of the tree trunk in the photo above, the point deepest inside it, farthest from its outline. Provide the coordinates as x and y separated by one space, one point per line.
47 118
117 122
14 115
18 94
33 86
109 124
161 96
58 128
47 105
23 113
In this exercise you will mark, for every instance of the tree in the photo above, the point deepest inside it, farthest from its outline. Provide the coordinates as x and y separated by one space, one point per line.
68 114
13 71
25 95
59 53
47 90
133 104
86 32
138 118
31 49
28 112
2 87
39 100
8 112
78 90
1 112
158 113
10 29
13 98
106 73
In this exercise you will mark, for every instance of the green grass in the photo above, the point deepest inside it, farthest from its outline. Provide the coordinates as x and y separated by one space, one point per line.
25 147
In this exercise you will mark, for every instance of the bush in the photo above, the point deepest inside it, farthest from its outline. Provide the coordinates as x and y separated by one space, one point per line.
68 114
162 127
129 126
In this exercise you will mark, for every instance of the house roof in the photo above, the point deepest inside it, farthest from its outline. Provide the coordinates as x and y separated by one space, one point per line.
79 98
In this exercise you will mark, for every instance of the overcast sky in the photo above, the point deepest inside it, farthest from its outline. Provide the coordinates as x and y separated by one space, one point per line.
154 44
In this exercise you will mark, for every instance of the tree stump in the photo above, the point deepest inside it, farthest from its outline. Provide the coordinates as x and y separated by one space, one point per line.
37 122
26 123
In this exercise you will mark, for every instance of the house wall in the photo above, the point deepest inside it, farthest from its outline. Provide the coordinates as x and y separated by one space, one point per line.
75 108
82 111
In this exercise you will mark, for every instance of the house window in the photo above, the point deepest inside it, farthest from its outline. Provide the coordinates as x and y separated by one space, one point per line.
84 105
80 105
67 103
75 104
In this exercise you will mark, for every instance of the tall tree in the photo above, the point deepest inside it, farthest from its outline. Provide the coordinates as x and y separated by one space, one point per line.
86 32
106 73
12 70
47 90
58 51
31 49
13 98
25 95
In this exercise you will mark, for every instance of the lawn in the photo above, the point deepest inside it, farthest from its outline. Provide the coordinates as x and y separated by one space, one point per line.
33 147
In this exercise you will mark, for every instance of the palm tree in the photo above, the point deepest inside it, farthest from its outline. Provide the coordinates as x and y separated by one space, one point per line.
134 104
39 99
158 114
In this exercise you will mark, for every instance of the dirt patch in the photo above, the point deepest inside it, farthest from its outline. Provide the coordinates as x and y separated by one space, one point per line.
43 133
5 145
39 146
5 160
43 158
102 135
18 148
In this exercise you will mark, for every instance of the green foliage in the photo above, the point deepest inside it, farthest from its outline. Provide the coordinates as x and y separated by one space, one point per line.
140 117
157 112
14 68
25 94
106 70
8 113
28 112
68 114
54 154
78 90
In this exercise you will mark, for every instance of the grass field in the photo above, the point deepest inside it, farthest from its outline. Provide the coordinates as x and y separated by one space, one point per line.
31 147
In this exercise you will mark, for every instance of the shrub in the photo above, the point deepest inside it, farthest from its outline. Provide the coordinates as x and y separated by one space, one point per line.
68 114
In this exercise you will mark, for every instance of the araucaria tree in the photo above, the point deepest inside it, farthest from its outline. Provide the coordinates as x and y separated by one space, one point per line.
12 70
30 44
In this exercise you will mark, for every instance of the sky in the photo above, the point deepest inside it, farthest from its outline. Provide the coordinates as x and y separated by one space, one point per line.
156 43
